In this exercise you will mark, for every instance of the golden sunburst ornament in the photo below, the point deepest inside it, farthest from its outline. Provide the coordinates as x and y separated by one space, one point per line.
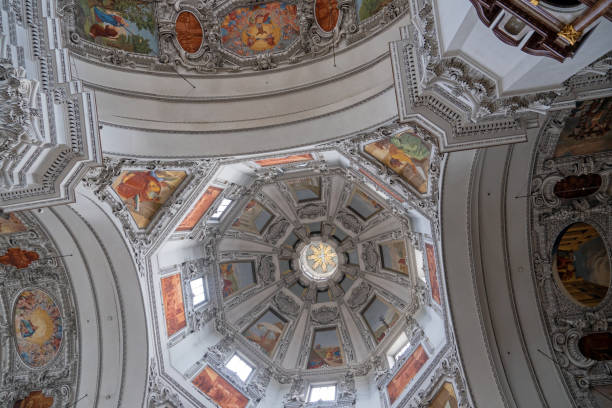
322 257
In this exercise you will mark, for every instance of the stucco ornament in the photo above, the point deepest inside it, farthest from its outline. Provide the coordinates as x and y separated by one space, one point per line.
566 320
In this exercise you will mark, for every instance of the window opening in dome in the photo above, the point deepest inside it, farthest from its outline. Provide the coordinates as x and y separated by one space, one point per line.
363 205
353 259
397 349
298 289
418 258
318 260
291 240
197 291
225 203
322 393
323 296
285 266
339 234
314 227
346 283
240 367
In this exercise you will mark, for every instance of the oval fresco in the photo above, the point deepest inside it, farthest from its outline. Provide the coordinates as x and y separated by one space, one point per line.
577 186
326 13
251 30
596 346
38 327
189 33
582 265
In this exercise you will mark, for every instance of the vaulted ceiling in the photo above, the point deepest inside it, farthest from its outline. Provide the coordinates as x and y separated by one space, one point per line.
259 204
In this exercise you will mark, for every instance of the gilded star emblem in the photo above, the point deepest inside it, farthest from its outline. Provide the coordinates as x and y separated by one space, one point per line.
322 256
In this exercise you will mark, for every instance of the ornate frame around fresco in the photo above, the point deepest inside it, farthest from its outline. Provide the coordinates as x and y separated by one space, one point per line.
564 319
58 377
313 42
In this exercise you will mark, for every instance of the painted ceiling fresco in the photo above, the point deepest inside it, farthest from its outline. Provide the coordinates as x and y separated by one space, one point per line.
587 130
406 155
327 13
223 36
125 24
204 203
284 160
406 373
268 27
326 350
582 264
254 218
36 399
433 275
38 327
144 192
189 32
174 307
10 224
266 331
219 390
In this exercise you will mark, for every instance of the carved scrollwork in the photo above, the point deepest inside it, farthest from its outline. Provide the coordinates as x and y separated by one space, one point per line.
324 315
311 211
276 231
286 304
359 295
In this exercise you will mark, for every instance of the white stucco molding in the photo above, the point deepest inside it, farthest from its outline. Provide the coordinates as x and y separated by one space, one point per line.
48 124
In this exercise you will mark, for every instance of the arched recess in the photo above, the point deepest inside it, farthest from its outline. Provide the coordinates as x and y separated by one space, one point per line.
499 332
110 309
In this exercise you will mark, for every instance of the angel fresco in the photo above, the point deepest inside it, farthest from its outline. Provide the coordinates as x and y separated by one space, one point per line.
144 192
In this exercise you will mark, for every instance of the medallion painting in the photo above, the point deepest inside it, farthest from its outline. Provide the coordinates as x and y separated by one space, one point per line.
406 155
393 256
367 8
445 398
266 331
363 205
296 158
144 192
203 204
254 218
251 30
219 390
433 276
587 130
19 258
304 190
408 371
174 309
237 276
189 33
125 24
582 264
11 224
327 13
325 350
380 318
38 327
36 399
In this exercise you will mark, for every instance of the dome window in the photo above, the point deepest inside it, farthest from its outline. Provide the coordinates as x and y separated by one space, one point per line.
240 367
322 393
197 291
225 203
397 350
